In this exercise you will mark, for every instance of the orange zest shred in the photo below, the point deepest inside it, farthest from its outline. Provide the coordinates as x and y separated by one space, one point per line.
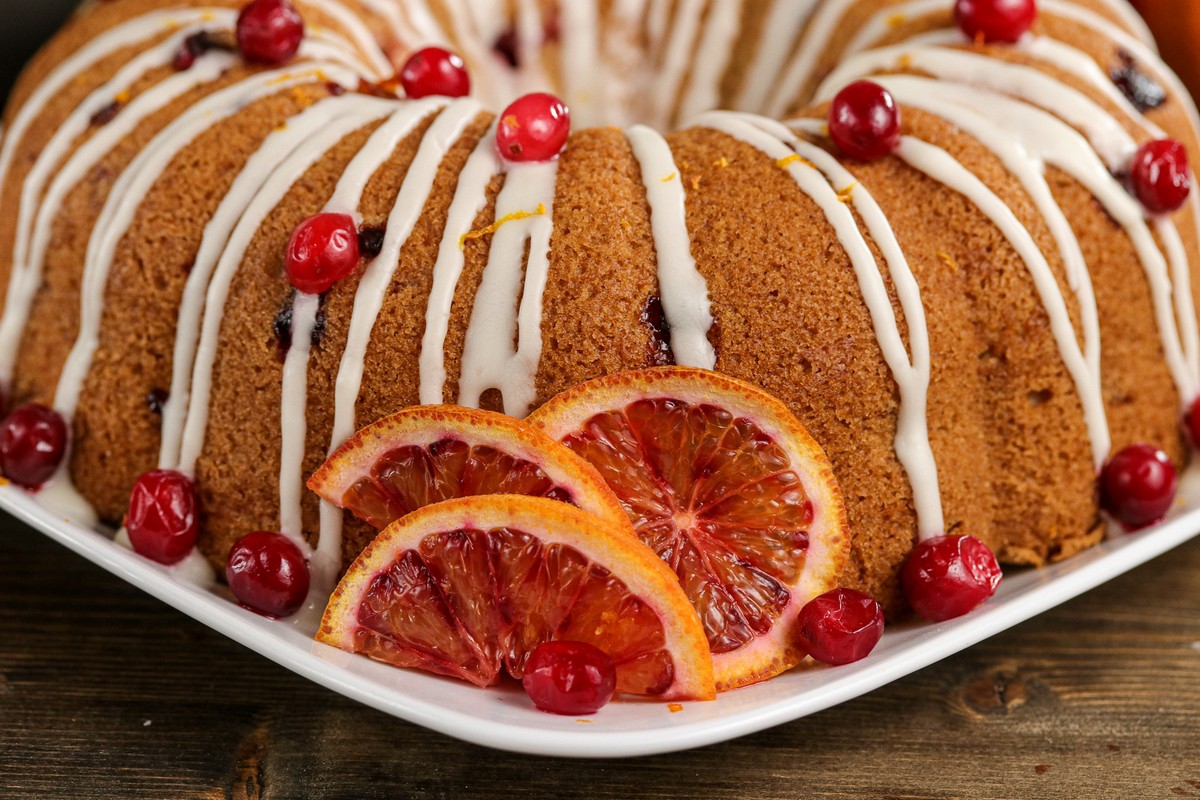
904 62
696 183
721 162
674 708
948 260
794 158
896 20
847 194
670 177
500 223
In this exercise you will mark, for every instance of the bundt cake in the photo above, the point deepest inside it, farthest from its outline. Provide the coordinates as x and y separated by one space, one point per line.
969 325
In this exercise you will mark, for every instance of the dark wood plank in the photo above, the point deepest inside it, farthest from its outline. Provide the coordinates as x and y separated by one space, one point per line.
105 692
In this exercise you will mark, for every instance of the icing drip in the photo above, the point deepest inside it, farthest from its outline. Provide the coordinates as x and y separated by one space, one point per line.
682 288
358 112
779 35
675 60
293 422
505 304
943 168
715 49
218 233
913 448
470 198
39 209
364 42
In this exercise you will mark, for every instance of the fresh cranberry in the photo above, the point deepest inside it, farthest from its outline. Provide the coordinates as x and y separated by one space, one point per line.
1159 176
163 518
434 71
947 576
323 250
33 439
840 627
268 574
569 678
534 128
269 31
1191 423
864 121
1137 486
995 20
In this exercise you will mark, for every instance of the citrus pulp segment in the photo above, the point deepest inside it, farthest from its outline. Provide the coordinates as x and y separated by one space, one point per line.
469 587
727 486
427 454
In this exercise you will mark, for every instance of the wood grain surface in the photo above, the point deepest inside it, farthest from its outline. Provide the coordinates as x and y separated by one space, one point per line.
108 693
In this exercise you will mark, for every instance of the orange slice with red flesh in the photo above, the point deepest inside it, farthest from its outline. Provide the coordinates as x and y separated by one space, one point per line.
726 485
468 588
427 454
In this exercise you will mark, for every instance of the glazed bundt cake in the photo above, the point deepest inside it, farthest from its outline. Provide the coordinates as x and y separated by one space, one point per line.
969 325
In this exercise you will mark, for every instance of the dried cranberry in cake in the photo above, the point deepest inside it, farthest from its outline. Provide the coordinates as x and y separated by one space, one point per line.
163 519
569 678
864 121
1137 486
33 440
1004 21
322 251
435 71
1143 91
1159 177
269 31
534 128
948 576
268 574
840 627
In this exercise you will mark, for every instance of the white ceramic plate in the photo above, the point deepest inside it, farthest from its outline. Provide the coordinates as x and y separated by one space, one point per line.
505 719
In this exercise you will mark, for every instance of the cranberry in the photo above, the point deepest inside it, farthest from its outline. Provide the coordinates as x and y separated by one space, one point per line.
864 121
268 574
1159 176
1137 486
840 627
269 31
163 518
323 250
1191 423
434 71
995 20
947 576
534 128
33 440
569 678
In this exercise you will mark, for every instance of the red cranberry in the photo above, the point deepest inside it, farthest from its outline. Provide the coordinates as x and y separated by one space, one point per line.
534 128
163 518
323 250
269 31
840 627
995 20
569 678
268 574
1159 176
33 440
947 576
1137 486
434 71
864 121
1191 423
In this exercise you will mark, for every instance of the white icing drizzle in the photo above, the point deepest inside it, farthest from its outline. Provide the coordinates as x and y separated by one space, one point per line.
364 41
581 63
683 290
275 149
819 30
132 187
504 304
357 111
712 58
912 445
785 19
346 199
470 198
943 168
39 210
677 57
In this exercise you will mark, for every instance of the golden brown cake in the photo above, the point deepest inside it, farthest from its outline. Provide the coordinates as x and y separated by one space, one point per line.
968 326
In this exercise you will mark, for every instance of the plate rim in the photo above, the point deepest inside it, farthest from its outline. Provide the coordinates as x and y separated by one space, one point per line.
905 649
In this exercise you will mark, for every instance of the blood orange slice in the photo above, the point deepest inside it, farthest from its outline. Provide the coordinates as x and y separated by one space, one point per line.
469 587
427 454
727 486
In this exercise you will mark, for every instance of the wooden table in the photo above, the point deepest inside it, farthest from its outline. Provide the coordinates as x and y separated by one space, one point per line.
108 693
